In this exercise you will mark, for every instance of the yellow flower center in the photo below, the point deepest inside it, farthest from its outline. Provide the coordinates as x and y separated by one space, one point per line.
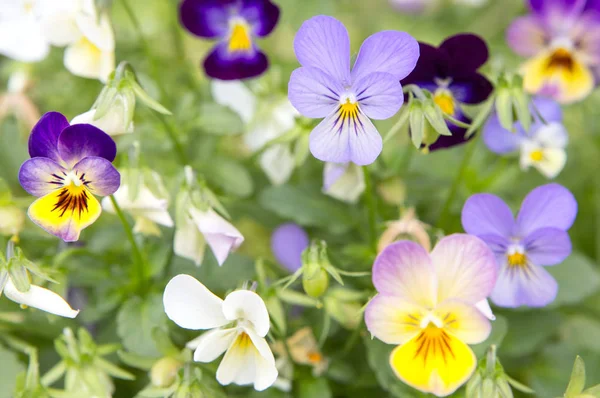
314 357
445 101
349 110
537 155
72 198
517 259
240 37
28 7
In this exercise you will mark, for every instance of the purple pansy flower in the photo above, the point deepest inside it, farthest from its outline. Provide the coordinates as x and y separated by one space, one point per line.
287 243
561 39
326 87
450 73
542 147
537 238
68 166
235 23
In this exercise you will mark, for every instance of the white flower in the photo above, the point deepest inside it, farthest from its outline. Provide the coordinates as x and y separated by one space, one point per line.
264 125
115 122
12 219
544 149
21 35
345 182
202 227
89 37
146 208
248 358
36 297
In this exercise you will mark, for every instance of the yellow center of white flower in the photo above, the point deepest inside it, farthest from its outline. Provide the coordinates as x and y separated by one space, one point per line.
444 100
239 40
537 155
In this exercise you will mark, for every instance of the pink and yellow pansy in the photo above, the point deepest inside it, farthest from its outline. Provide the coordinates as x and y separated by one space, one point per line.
68 166
428 304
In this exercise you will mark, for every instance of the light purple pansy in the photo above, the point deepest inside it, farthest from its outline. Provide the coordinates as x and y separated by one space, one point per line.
326 87
68 166
537 238
287 244
235 23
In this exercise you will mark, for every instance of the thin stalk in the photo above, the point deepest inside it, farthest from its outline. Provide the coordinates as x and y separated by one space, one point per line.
371 208
138 260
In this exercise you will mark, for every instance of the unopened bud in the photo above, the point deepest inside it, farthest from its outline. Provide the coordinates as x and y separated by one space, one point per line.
164 371
315 279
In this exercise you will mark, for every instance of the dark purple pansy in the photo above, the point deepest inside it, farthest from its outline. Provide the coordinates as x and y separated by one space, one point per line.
450 73
68 166
235 24
287 243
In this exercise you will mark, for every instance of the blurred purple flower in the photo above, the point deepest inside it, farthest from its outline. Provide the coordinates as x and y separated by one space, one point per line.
450 73
235 23
523 247
542 147
287 243
326 87
561 38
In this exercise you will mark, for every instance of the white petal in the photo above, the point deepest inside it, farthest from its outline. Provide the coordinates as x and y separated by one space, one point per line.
191 305
266 370
40 298
146 205
146 227
270 124
113 123
221 236
58 22
552 135
212 344
97 31
235 95
85 59
189 242
247 306
484 307
22 40
278 163
345 182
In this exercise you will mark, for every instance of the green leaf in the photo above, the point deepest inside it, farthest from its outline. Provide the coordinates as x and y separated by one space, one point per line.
230 175
504 108
112 369
164 343
136 320
135 360
312 387
499 329
481 117
306 208
293 297
593 391
577 381
147 100
577 277
220 120
11 367
277 313
582 332
435 117
520 101
417 125
529 330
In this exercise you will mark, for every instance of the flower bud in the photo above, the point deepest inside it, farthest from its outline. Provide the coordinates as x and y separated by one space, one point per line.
315 279
113 113
345 182
489 379
315 283
164 371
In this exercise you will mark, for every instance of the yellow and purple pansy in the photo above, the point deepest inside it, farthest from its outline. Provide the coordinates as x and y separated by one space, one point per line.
235 23
450 73
68 166
561 39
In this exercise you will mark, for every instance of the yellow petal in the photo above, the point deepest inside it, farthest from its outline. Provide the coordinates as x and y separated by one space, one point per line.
65 211
434 361
560 72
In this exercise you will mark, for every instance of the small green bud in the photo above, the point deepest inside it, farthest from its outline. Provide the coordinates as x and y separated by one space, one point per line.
315 278
416 122
164 371
315 284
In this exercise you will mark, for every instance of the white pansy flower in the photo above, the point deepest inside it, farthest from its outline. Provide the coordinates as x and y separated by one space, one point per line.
345 182
545 150
21 35
238 326
38 297
148 207
264 125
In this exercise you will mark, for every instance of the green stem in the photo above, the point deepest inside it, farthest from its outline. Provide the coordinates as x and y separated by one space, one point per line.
445 212
138 260
371 208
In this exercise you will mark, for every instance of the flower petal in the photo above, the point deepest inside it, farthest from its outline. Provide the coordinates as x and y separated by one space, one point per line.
235 65
189 242
345 182
191 305
245 305
498 139
83 58
288 242
471 88
433 63
262 15
484 307
388 51
212 344
393 319
278 163
100 176
82 140
550 205
467 53
40 176
27 42
434 361
65 212
551 135
40 298
531 286
487 214
379 94
221 236
235 95
322 42
547 246
205 18
550 165
313 92
266 370
43 141
466 268
404 269
343 137
464 321
550 110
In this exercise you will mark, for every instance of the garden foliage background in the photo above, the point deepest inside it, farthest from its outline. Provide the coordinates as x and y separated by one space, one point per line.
536 347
